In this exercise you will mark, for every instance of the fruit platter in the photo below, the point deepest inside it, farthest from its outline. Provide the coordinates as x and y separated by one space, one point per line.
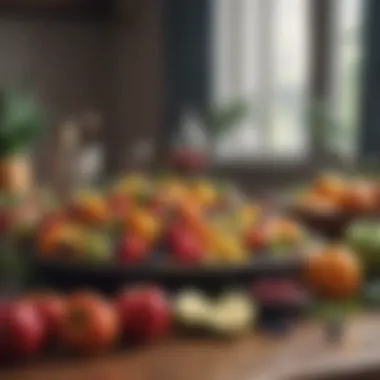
146 228
82 322
148 257
87 323
333 201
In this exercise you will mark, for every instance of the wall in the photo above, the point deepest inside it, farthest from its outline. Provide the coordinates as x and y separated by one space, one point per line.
63 60
113 67
136 80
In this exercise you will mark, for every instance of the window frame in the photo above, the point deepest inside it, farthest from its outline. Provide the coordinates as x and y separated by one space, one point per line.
322 30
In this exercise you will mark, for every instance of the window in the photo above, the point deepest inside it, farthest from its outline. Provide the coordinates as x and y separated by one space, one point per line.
261 54
347 71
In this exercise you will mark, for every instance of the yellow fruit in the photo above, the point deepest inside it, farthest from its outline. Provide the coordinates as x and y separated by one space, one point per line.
66 234
173 193
205 194
285 230
134 184
230 249
90 207
144 224
73 236
248 216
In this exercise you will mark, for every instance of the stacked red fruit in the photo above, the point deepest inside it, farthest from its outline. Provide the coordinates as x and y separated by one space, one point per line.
22 331
83 323
184 245
145 313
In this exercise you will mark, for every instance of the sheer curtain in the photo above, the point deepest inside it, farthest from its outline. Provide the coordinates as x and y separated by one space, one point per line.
261 55
347 71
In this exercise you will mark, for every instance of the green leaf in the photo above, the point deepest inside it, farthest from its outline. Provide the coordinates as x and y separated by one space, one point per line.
21 121
218 119
334 308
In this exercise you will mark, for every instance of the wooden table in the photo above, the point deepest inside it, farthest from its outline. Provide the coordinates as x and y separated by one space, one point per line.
302 354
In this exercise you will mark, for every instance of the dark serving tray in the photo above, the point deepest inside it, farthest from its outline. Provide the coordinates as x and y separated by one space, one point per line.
330 225
64 275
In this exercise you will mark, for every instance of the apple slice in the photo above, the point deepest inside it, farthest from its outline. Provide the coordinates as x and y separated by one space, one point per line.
234 314
192 309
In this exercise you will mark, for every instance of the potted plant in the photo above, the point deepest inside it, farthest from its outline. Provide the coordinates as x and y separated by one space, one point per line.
199 131
20 125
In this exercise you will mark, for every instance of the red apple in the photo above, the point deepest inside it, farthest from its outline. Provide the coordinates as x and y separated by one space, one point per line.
22 330
52 310
132 249
256 238
185 247
145 313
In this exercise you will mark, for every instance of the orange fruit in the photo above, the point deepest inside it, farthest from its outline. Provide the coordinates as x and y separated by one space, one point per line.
333 271
329 185
315 202
144 224
91 208
284 230
49 240
360 196
90 324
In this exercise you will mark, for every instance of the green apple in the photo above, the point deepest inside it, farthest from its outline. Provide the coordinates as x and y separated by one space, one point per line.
191 310
233 314
98 247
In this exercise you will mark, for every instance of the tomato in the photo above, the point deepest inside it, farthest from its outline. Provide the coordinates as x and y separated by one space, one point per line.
90 325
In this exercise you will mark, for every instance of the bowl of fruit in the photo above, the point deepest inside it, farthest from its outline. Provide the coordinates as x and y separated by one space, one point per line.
333 202
168 229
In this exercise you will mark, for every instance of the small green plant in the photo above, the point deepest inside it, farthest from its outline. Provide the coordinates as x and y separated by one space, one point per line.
21 121
218 119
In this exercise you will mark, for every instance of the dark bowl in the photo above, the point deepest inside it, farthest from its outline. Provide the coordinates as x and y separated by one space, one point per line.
331 225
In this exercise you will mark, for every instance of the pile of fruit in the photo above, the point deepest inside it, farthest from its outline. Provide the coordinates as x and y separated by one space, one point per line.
331 193
187 221
88 323
19 215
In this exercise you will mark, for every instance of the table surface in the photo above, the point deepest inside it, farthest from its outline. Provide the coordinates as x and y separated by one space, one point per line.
302 354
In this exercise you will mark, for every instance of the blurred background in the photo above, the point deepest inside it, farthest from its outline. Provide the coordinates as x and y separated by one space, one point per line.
266 93
128 74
